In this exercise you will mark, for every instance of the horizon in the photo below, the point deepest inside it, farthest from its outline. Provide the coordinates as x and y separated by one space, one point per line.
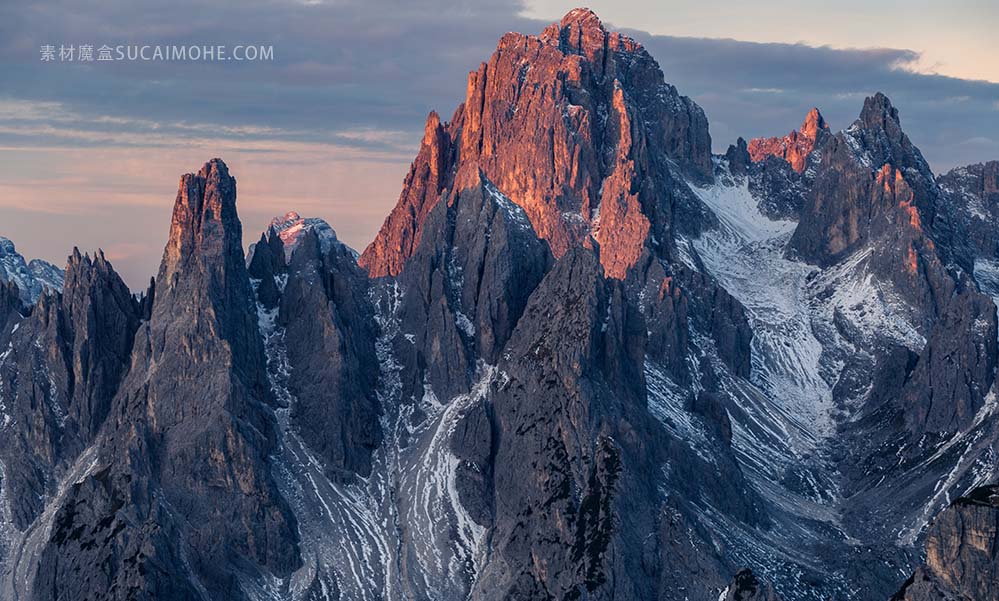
101 179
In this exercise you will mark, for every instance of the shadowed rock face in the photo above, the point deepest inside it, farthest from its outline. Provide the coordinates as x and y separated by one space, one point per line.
176 495
956 369
65 363
973 191
320 296
561 471
746 587
465 289
573 440
563 124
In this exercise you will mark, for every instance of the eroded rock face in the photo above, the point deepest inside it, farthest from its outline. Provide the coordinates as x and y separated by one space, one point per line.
429 174
873 190
560 467
573 438
973 191
956 368
561 124
854 194
465 289
795 146
176 496
311 280
962 562
64 364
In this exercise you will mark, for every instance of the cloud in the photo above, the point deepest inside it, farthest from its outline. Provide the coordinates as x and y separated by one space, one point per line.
329 126
338 66
353 73
737 82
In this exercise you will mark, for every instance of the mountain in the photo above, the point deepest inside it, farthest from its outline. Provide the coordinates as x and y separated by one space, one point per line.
583 358
31 278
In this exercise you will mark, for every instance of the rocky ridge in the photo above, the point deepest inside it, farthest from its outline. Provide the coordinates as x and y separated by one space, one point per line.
30 277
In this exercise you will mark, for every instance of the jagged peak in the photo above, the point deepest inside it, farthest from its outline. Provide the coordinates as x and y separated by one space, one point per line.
204 218
813 124
86 273
32 277
77 257
795 146
285 221
877 137
210 188
216 166
583 18
291 227
878 112
432 128
568 80
581 31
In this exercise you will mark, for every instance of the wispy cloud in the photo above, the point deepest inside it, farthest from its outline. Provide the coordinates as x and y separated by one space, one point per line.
329 127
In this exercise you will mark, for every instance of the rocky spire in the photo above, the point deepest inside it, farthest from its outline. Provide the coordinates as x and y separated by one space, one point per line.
796 146
188 429
878 112
581 31
427 176
204 222
203 263
880 138
814 122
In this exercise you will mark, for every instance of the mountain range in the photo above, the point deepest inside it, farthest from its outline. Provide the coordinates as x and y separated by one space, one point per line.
583 358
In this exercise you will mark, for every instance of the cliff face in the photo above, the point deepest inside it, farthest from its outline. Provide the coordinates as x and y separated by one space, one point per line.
973 194
64 363
314 297
962 561
874 190
562 124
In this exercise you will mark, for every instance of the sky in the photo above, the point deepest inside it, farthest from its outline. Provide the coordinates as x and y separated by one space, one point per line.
91 151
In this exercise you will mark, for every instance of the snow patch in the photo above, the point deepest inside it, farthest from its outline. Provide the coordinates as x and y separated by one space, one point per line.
746 255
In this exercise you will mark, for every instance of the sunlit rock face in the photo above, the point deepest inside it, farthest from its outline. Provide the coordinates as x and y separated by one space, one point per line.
962 561
576 126
795 146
